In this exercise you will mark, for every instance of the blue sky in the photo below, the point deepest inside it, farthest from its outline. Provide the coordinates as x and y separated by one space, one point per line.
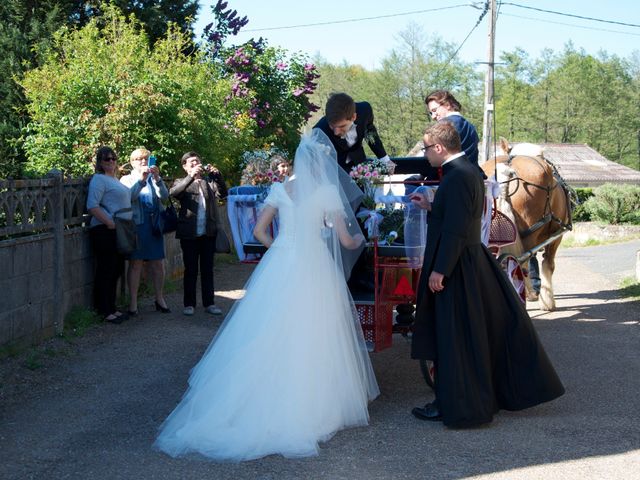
365 42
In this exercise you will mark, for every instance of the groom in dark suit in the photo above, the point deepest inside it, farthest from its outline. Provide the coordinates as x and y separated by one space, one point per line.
348 124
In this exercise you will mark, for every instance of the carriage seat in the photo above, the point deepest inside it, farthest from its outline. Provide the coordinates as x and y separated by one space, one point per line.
502 231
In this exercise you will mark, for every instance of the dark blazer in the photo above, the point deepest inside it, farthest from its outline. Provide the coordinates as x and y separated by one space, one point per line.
365 129
187 192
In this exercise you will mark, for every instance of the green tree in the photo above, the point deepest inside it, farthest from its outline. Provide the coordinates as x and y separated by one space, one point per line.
26 30
278 86
154 15
513 90
105 86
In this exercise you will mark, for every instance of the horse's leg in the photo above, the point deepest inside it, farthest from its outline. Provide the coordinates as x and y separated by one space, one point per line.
532 295
546 300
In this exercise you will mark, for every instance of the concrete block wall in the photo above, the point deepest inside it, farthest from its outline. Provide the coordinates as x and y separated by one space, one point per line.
27 280
26 289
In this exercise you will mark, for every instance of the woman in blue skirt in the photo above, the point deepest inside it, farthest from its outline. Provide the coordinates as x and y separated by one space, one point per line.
148 191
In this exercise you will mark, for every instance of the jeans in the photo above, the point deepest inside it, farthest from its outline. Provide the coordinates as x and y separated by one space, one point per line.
534 274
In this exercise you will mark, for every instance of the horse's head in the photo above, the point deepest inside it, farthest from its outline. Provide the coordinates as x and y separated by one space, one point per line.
526 149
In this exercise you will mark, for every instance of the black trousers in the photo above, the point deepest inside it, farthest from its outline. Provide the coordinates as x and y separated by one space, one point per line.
109 266
198 252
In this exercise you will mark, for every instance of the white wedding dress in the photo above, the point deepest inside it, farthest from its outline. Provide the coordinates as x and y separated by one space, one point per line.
289 366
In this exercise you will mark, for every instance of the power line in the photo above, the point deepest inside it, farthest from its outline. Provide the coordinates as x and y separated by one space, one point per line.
584 27
571 15
484 12
351 20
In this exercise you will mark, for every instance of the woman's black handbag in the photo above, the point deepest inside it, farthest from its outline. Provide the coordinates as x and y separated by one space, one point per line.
165 221
126 233
170 218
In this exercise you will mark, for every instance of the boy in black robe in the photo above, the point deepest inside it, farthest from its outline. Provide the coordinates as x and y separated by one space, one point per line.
469 319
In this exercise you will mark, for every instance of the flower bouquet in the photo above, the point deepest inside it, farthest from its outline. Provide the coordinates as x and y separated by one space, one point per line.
264 167
368 176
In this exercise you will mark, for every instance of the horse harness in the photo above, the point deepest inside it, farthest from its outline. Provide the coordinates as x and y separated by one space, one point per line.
548 216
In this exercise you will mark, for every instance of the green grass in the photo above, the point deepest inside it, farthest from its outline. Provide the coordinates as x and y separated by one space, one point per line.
225 259
570 242
630 288
79 320
10 350
33 360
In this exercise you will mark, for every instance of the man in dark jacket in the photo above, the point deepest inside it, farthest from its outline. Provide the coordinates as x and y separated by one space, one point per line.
198 193
469 320
348 124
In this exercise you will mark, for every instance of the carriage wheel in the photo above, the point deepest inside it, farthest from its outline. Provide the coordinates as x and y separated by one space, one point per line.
515 273
428 372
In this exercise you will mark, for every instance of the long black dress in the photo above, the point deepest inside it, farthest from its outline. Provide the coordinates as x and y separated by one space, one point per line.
487 353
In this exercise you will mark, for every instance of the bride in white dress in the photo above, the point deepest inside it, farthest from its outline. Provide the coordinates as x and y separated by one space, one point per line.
289 367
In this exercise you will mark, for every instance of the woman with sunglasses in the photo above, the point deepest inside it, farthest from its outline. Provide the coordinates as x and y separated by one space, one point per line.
105 197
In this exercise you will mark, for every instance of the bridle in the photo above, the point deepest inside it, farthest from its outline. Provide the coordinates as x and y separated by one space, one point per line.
548 215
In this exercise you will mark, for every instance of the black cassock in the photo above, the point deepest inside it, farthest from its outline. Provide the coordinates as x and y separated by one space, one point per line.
487 353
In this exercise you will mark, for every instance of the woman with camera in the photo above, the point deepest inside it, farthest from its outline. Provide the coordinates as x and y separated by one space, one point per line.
148 191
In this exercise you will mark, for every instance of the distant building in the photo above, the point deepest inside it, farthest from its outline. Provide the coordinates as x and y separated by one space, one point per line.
579 164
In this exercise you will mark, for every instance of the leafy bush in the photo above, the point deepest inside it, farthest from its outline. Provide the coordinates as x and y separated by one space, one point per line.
102 85
615 204
277 86
579 213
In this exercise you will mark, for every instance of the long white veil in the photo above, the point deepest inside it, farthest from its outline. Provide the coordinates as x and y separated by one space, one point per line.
323 194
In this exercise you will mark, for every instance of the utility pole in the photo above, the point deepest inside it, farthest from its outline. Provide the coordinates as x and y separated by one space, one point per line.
638 149
488 85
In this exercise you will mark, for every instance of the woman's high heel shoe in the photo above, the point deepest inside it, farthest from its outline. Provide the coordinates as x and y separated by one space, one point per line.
160 308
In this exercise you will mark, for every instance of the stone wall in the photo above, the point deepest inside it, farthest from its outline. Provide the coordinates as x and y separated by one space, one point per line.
46 260
27 285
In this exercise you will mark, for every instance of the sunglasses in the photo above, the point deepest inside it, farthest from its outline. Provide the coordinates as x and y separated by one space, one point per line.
427 147
110 159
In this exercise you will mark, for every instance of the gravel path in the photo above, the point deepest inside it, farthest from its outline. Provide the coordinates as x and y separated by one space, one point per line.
92 408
